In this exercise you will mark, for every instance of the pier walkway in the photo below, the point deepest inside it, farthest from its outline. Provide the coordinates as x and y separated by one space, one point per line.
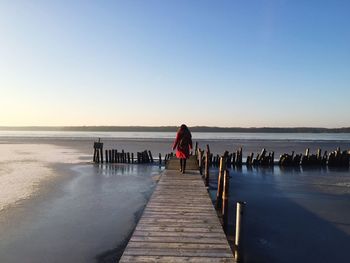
179 223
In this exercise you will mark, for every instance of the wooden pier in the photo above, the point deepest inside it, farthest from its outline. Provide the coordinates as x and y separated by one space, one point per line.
179 223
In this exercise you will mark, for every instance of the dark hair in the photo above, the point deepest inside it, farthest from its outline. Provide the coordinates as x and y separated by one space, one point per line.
184 129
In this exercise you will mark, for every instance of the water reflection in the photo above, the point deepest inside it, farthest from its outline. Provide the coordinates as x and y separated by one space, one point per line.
288 170
110 170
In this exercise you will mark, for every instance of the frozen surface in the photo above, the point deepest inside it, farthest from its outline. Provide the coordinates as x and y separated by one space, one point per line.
24 166
87 218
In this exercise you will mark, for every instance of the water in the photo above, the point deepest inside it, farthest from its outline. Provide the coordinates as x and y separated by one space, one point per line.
88 218
294 212
341 137
89 214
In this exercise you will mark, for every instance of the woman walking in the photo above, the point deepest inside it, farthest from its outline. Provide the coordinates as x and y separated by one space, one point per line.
183 145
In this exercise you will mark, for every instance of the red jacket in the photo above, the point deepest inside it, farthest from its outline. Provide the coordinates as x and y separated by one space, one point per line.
183 144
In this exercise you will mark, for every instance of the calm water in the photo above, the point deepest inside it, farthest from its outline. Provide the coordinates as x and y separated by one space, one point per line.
170 135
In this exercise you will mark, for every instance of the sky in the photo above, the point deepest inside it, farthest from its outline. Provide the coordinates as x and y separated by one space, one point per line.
274 63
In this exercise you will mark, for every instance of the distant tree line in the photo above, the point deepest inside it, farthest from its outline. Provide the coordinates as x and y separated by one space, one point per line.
174 128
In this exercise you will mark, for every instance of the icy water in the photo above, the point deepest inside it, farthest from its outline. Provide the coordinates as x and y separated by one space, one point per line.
292 214
63 208
88 218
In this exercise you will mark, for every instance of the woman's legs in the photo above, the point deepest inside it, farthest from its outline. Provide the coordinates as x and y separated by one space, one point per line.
183 166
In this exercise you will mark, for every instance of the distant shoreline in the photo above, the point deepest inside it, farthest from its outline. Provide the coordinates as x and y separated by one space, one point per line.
174 128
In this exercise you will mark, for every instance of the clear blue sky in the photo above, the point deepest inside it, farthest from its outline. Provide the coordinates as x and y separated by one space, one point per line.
214 63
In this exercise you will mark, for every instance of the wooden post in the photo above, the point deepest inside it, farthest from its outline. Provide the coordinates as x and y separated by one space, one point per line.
145 156
113 159
234 159
160 159
107 160
150 156
272 159
101 152
239 231
94 157
229 160
199 155
218 203
132 157
123 159
195 148
128 157
98 156
206 174
225 195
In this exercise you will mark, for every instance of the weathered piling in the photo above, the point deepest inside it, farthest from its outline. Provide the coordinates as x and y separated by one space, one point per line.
114 155
200 160
290 159
160 159
233 158
98 152
225 196
150 156
138 157
106 153
239 157
218 203
110 156
238 249
338 158
229 160
250 159
262 159
207 163
334 159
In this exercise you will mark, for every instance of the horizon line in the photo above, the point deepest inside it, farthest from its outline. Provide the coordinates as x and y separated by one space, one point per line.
198 128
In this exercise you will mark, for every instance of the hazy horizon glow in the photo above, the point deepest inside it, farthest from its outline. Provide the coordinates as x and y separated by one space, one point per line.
162 63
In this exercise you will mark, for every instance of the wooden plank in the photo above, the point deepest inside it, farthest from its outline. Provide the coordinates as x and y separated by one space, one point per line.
199 240
180 224
150 245
178 234
178 259
179 229
189 221
178 209
178 252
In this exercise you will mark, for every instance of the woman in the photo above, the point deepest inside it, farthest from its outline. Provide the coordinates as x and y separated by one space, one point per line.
183 145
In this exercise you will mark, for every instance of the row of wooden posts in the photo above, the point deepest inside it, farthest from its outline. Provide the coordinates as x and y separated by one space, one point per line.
222 194
114 156
336 158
